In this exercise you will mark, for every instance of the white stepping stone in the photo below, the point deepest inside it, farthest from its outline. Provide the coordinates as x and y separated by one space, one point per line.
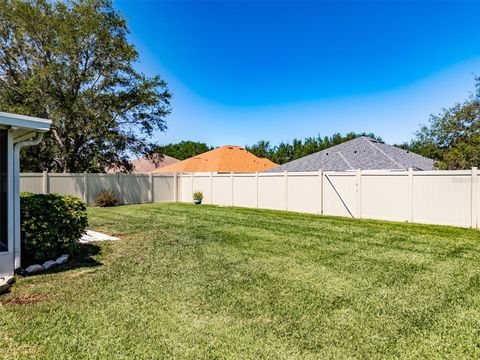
61 260
32 269
50 264
96 236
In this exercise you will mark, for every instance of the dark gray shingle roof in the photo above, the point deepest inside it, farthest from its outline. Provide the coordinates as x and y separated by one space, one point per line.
360 153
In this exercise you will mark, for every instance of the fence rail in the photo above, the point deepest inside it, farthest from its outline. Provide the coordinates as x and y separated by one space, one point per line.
431 197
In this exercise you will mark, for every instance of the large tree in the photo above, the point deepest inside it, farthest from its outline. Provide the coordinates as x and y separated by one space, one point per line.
71 62
452 138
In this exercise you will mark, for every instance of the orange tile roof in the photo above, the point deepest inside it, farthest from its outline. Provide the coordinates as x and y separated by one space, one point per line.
223 159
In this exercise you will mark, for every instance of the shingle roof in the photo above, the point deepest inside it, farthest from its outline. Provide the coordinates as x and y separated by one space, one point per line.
360 153
144 165
223 159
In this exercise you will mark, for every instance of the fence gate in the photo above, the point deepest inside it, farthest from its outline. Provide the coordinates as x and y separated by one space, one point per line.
341 194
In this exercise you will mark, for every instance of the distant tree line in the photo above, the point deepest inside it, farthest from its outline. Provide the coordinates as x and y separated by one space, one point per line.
285 151
183 150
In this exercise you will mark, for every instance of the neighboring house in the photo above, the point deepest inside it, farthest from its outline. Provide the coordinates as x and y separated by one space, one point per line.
361 153
221 160
144 165
16 131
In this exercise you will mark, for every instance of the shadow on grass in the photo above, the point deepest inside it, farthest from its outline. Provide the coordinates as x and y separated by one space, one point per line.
83 257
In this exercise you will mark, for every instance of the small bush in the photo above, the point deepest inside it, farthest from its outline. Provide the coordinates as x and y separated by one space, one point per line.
106 199
51 225
197 195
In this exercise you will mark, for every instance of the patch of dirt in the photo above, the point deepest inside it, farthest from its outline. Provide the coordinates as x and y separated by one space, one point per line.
25 300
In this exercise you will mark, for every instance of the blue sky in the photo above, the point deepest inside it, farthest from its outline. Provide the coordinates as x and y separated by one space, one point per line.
245 71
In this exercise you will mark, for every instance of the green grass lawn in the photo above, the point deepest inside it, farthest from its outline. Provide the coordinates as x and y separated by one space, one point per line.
194 282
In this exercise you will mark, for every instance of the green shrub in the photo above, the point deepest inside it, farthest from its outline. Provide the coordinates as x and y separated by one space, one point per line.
51 225
106 199
197 195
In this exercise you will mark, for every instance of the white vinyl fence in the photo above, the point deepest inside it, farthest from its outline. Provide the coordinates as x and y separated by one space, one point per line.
130 188
430 197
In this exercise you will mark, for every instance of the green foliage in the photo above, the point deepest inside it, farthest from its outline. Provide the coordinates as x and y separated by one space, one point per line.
183 150
453 136
261 149
197 195
285 152
51 225
106 199
70 61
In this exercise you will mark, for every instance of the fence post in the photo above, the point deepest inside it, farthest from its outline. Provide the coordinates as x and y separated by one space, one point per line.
231 178
410 194
150 191
45 184
211 188
121 196
85 187
175 187
285 175
192 190
359 193
320 176
474 197
256 181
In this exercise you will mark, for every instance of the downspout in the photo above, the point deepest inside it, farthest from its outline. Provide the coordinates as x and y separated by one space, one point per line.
16 195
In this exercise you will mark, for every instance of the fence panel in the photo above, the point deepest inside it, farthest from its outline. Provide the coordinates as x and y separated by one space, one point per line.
135 188
222 189
185 188
31 183
245 190
163 188
201 182
386 196
442 197
272 191
96 183
67 184
304 192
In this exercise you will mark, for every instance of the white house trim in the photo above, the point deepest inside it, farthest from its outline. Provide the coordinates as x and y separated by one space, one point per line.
21 130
